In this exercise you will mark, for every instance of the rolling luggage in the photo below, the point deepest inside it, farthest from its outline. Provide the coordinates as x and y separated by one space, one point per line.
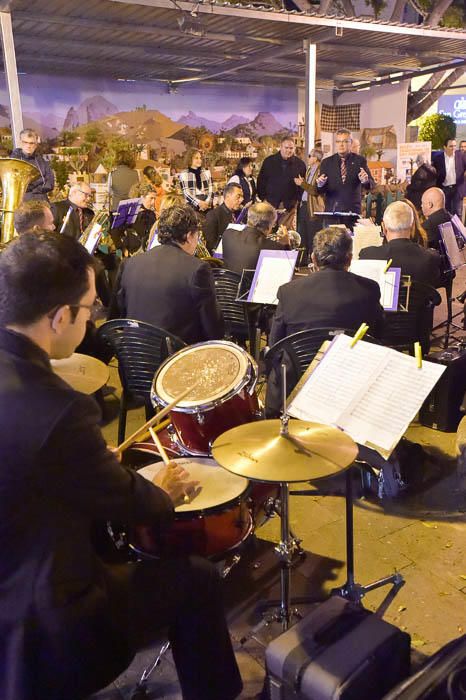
443 676
442 408
339 651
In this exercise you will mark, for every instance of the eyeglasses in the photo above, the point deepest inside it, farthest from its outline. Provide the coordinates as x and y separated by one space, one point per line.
29 143
92 308
88 195
343 141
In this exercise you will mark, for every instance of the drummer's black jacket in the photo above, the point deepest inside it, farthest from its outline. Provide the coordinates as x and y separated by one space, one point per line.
57 633
172 290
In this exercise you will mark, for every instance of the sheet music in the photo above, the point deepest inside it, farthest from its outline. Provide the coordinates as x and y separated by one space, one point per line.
372 393
454 245
274 268
337 382
93 239
365 236
388 281
459 226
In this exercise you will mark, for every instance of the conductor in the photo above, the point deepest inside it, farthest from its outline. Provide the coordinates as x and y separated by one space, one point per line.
343 176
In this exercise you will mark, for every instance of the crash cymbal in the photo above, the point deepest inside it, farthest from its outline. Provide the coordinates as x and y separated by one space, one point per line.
258 451
82 372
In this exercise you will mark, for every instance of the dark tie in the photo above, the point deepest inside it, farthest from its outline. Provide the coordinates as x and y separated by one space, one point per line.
343 169
81 219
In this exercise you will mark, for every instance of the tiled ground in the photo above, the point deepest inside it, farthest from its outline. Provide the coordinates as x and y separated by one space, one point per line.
421 535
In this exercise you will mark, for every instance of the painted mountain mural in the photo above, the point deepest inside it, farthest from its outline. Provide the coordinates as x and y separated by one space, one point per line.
264 124
138 126
90 110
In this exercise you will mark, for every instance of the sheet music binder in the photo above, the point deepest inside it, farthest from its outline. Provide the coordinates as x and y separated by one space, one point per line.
369 391
126 213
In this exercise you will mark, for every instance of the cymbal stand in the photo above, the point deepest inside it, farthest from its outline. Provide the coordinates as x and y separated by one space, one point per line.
286 549
350 589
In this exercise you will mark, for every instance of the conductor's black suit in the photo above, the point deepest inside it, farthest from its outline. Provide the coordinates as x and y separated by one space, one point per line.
339 195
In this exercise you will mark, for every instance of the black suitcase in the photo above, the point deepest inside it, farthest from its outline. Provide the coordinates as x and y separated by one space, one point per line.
338 652
442 408
443 677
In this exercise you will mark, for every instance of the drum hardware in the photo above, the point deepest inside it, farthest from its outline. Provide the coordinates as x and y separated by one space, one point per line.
260 450
200 418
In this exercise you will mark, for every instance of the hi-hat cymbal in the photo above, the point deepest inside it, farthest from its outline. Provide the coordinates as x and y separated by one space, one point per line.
82 372
258 451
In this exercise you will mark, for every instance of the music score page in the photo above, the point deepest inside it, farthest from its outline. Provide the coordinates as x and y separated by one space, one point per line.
372 393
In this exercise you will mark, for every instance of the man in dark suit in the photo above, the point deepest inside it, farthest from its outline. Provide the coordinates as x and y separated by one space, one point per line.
69 623
39 188
433 208
276 181
241 249
217 219
72 215
450 166
168 286
331 297
414 260
343 175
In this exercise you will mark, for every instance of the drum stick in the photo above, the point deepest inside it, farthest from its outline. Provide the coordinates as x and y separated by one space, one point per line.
157 428
160 447
155 419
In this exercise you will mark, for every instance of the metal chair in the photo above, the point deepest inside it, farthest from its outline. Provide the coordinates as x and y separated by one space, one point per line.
297 352
403 328
140 349
237 326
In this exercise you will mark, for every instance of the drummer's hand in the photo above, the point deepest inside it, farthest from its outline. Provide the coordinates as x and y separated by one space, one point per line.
115 452
175 481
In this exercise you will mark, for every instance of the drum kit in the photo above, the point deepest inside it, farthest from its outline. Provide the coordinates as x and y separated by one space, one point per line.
244 466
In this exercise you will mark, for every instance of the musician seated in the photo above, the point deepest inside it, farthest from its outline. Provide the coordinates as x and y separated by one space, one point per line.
330 297
70 623
32 216
217 219
433 208
414 260
241 249
133 238
168 286
80 213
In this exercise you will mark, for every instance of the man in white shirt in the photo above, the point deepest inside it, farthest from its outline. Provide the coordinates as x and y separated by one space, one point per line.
450 166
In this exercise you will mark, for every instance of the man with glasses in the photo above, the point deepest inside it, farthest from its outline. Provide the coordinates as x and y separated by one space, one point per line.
72 215
41 186
69 622
343 175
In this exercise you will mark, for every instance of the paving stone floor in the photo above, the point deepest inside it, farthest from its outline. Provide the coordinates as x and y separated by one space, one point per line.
421 535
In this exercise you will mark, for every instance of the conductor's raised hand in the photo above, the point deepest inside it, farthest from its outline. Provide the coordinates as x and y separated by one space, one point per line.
362 175
176 481
321 180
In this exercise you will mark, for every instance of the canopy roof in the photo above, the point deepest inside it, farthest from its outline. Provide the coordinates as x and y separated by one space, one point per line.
142 40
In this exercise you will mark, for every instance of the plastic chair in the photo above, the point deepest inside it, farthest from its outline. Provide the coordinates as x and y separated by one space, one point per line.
237 327
403 328
140 349
297 352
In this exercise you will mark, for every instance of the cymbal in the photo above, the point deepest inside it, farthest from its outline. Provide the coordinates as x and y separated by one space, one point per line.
82 372
258 451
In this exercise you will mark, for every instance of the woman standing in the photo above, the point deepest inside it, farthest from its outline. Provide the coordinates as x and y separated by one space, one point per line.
196 182
243 177
311 202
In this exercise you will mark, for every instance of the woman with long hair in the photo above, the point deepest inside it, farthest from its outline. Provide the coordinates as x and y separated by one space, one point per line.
243 177
196 182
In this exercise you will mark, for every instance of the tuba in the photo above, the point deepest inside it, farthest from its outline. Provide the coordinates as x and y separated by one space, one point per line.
203 253
97 228
15 176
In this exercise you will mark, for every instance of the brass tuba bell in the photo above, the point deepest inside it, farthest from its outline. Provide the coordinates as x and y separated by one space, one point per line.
15 176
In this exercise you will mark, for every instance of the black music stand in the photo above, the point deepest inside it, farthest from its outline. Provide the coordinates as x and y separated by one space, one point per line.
335 218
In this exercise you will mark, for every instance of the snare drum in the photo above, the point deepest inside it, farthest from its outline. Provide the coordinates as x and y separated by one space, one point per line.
225 376
215 522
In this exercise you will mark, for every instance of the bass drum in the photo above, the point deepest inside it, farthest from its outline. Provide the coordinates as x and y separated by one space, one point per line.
215 523
223 377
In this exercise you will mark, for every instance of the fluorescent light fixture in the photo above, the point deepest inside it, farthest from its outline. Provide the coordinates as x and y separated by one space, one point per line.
362 89
396 75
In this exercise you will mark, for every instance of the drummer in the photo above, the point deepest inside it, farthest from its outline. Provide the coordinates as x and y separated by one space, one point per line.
69 623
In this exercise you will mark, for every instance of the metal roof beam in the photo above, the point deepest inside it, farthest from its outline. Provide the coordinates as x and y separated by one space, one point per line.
404 75
293 18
